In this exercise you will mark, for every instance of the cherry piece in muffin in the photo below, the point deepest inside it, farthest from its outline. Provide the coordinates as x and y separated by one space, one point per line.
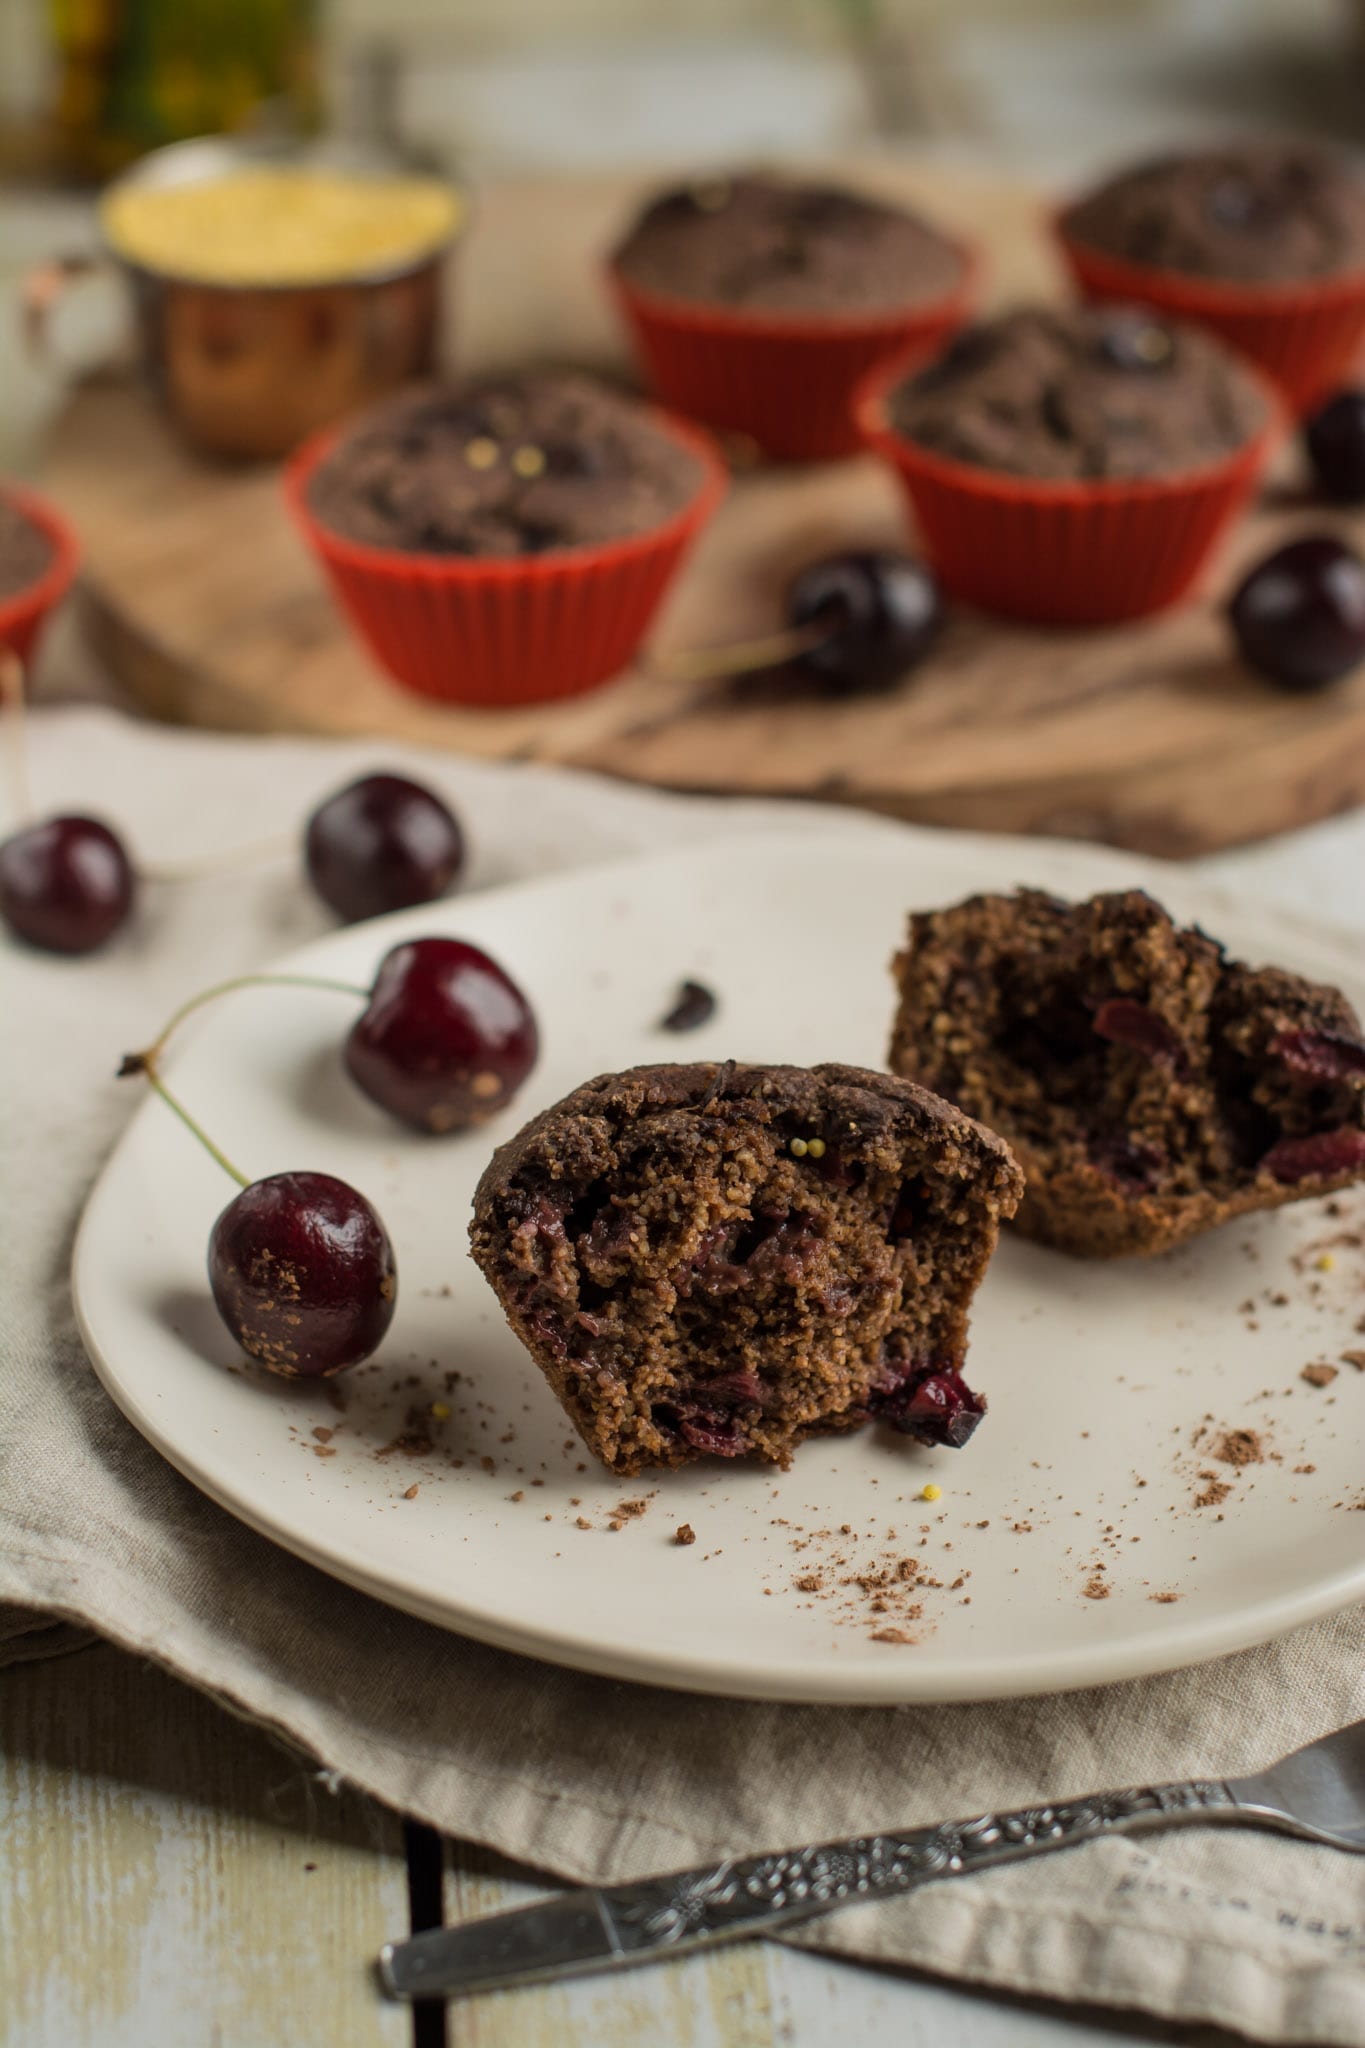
721 1260
1150 1086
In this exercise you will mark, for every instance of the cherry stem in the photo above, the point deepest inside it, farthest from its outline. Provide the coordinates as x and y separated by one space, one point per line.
145 1061
697 664
219 863
12 697
149 1068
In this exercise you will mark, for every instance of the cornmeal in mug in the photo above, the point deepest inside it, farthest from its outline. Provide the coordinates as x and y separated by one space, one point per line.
287 225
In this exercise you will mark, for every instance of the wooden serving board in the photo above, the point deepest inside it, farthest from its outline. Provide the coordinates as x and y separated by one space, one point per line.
211 612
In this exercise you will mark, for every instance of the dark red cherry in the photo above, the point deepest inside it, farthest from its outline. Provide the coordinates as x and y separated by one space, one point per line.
931 1402
303 1274
65 885
1335 441
382 843
1124 1021
1299 617
883 611
1325 1055
1321 1155
446 1039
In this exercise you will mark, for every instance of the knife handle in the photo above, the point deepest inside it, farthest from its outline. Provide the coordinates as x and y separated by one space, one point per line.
759 1892
614 1926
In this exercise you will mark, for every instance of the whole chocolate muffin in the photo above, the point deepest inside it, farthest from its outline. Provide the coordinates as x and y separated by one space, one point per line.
769 245
1261 214
1151 1087
508 466
1084 392
25 551
720 1260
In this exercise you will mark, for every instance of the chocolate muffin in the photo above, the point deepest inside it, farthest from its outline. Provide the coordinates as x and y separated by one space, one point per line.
508 466
768 245
1088 392
26 553
1271 213
720 1260
1151 1087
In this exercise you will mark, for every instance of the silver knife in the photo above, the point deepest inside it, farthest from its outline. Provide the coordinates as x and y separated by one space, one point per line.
1318 1793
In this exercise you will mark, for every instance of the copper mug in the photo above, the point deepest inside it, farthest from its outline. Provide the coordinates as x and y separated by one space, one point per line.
250 371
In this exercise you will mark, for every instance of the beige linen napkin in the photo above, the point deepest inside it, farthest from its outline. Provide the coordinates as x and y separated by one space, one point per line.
583 1777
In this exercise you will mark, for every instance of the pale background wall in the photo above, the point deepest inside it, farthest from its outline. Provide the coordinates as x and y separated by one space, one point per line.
520 82
1055 88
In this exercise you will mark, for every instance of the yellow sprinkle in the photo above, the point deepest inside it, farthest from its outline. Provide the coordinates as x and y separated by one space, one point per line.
528 461
1324 1262
816 1148
799 1148
441 1410
481 453
931 1492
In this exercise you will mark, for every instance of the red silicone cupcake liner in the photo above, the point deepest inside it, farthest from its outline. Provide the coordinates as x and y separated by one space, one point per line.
1065 553
24 615
516 629
786 381
1307 337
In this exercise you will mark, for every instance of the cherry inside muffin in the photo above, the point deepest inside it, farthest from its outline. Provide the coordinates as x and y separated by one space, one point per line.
721 1260
1151 1086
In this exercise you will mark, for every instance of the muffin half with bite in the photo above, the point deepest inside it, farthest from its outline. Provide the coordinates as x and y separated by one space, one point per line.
721 1260
506 541
1150 1086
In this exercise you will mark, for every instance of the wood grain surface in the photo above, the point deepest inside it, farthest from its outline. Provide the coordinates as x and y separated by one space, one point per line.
173 1878
210 611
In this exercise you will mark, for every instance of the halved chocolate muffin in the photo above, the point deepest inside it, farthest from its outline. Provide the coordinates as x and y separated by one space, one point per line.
721 1260
1151 1086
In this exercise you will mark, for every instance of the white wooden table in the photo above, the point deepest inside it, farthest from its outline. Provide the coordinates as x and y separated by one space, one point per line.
172 1878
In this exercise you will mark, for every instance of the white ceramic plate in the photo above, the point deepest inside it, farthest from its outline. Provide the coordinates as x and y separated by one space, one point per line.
1085 1474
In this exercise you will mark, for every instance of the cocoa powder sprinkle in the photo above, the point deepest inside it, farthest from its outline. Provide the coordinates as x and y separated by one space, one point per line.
1239 1447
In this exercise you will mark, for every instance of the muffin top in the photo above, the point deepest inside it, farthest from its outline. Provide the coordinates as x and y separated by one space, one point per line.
1089 392
1268 214
780 247
25 550
508 466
